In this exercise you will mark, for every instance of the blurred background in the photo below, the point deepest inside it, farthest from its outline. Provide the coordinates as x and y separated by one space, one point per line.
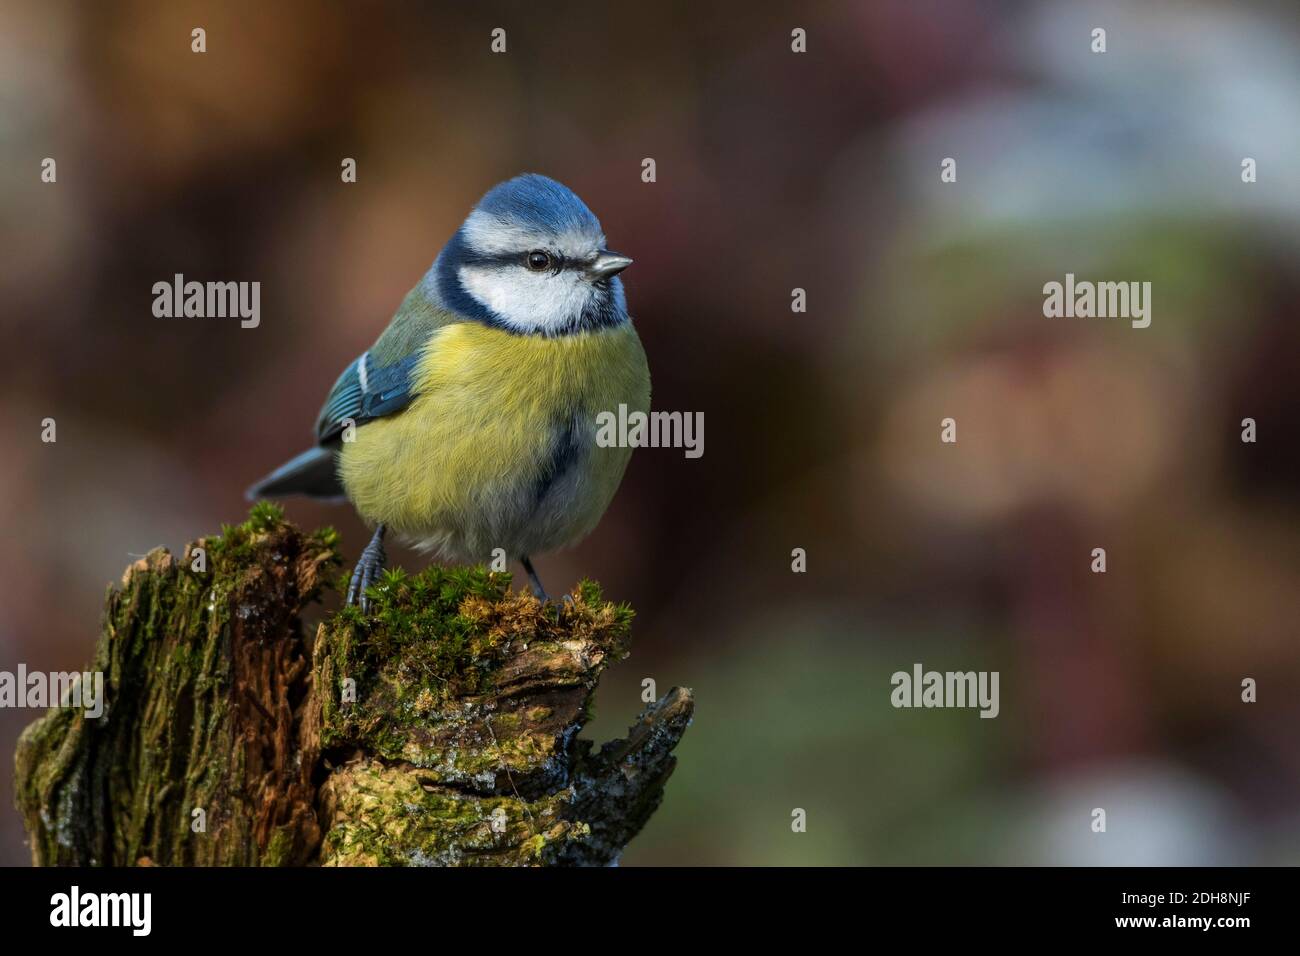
775 170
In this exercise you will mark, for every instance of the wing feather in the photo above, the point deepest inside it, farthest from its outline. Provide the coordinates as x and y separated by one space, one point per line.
363 393
380 382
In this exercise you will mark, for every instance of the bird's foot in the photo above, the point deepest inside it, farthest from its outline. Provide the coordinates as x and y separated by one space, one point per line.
566 600
369 566
539 592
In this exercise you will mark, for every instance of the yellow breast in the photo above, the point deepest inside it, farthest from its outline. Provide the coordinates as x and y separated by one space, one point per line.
470 464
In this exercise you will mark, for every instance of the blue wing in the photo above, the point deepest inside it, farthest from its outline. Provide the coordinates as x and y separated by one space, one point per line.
365 392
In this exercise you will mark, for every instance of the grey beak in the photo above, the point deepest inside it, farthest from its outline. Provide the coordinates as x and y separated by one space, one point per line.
607 264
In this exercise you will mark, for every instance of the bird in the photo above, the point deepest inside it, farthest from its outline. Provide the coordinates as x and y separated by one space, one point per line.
470 425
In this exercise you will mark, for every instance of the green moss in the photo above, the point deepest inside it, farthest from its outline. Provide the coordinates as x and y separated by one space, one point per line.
418 619
388 816
326 537
428 656
264 516
279 848
236 543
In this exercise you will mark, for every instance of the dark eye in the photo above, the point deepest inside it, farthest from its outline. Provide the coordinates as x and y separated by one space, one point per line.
538 260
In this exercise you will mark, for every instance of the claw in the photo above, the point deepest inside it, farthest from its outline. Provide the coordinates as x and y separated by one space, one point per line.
366 572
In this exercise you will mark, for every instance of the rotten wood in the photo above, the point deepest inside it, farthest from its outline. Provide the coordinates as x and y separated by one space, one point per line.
442 729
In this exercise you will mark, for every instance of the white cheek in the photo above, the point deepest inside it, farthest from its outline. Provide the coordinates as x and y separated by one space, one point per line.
528 301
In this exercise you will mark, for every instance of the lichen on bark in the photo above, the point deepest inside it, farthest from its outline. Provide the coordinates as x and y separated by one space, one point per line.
439 729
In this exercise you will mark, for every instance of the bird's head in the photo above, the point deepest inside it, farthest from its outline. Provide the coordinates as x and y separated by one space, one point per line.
531 258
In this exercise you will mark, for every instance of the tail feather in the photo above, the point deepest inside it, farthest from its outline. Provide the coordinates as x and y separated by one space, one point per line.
313 473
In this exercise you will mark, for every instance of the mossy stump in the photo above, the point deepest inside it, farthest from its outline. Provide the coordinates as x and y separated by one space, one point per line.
441 729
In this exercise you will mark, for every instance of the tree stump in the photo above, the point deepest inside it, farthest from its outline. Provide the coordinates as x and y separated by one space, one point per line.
440 729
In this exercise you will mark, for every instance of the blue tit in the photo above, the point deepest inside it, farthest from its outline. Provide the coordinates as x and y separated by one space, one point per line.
470 425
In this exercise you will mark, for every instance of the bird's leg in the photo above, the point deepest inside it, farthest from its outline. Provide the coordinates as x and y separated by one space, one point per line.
366 572
539 592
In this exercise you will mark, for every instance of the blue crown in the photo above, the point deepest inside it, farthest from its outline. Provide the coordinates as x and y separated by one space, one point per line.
541 202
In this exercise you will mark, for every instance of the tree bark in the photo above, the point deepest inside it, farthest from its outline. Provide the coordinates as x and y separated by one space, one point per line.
440 729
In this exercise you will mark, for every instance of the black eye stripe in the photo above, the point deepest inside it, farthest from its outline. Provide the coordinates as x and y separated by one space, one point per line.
511 259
